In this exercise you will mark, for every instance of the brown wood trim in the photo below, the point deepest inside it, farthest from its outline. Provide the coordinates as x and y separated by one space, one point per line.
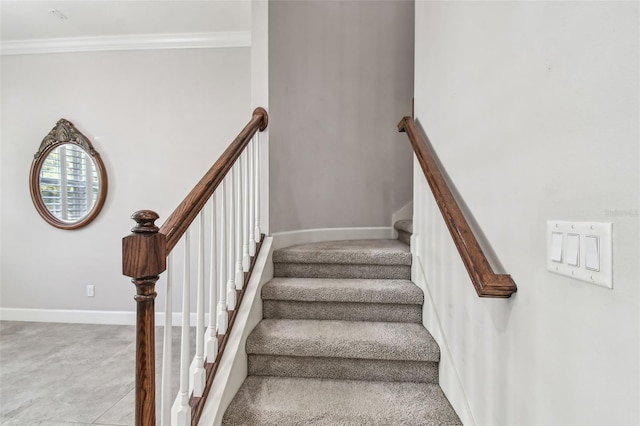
178 222
197 404
144 254
486 282
144 258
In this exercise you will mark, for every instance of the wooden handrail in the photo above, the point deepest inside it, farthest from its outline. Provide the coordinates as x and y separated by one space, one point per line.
178 222
486 282
144 254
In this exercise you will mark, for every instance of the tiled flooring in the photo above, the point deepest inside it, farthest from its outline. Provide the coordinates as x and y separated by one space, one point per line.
70 374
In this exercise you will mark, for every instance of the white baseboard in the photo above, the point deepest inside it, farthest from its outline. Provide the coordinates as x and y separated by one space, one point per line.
86 317
450 381
305 236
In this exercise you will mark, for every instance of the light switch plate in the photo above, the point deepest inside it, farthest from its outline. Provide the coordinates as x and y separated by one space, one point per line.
587 233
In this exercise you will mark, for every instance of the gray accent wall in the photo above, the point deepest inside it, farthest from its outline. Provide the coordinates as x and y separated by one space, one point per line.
340 79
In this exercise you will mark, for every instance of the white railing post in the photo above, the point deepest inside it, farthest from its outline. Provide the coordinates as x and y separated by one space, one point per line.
181 411
211 344
238 230
165 392
245 213
231 286
252 240
257 154
199 376
222 265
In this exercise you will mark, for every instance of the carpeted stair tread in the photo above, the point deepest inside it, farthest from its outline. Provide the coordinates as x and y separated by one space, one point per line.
377 370
343 290
343 311
343 339
405 230
405 225
283 401
354 252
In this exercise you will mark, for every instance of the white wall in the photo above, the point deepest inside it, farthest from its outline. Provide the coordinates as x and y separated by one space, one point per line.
159 120
532 107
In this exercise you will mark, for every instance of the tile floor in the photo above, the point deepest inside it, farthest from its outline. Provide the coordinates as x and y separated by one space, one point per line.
70 374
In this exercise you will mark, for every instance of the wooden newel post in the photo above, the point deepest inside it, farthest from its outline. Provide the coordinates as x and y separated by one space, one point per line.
144 255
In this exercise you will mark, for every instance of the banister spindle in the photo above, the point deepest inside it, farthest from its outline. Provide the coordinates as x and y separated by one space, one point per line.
257 159
222 265
181 411
144 254
167 355
199 376
211 346
252 223
238 231
231 254
245 213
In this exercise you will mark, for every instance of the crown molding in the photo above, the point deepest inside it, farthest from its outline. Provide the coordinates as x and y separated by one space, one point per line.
128 42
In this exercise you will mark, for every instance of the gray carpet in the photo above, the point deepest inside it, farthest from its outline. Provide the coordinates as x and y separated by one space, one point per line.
343 290
405 230
342 299
371 259
360 252
344 339
342 342
282 401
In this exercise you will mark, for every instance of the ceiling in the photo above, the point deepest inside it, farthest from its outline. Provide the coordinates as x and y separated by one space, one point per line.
27 19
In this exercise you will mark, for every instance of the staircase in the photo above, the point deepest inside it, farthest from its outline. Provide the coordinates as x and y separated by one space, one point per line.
342 342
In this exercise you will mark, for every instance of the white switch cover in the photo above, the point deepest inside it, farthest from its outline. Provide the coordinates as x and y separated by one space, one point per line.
556 246
591 253
573 249
586 251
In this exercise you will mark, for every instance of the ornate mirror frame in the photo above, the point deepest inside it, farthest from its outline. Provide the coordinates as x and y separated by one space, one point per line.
65 133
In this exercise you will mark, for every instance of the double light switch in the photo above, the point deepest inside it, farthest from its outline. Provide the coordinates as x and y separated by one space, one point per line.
580 250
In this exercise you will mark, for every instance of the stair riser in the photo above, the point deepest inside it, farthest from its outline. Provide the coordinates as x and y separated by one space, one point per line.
382 312
405 237
323 270
343 368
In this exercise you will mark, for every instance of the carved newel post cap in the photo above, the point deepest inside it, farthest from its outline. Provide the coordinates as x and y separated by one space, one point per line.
145 220
144 251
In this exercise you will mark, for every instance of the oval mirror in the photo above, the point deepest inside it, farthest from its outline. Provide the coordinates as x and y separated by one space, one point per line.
68 180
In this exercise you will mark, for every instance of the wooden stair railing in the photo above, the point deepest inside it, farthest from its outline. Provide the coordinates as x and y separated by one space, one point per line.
486 282
144 258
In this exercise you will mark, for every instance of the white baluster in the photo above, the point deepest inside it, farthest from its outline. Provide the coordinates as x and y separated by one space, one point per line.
211 343
199 375
252 223
238 230
231 253
222 265
245 213
165 392
257 154
181 411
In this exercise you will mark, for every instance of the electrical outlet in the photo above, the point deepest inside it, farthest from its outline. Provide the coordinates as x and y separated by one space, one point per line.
91 290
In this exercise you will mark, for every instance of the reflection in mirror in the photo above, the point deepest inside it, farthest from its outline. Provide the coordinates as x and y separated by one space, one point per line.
68 180
69 183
